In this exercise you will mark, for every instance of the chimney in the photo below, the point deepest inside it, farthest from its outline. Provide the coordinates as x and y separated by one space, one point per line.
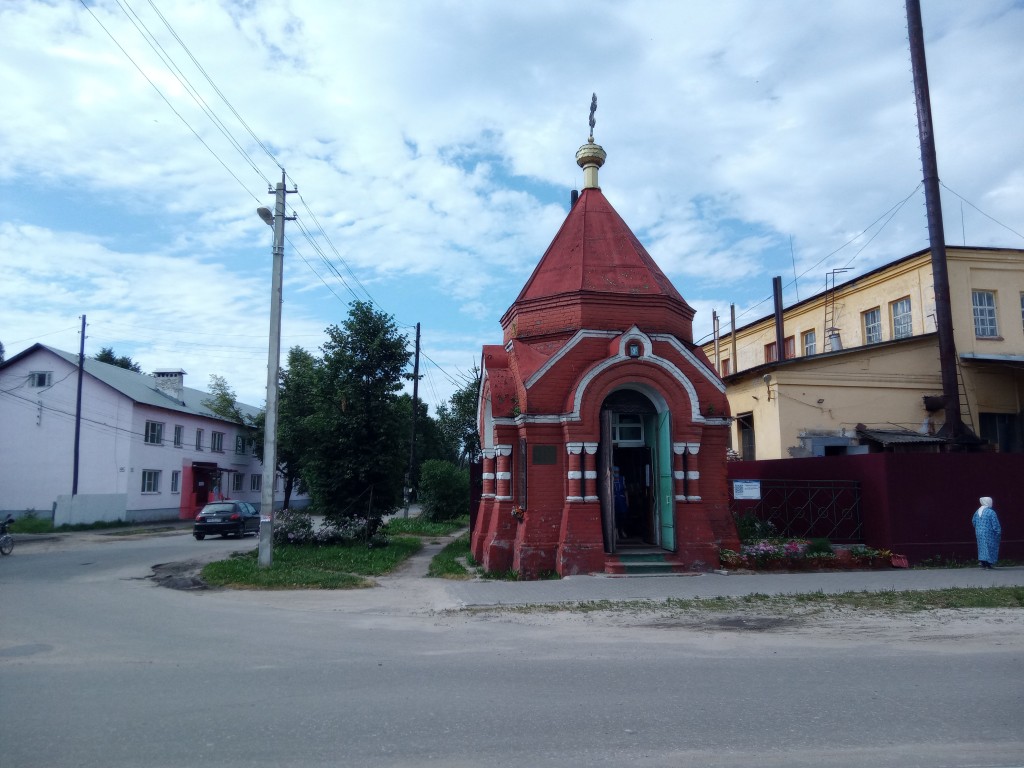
170 382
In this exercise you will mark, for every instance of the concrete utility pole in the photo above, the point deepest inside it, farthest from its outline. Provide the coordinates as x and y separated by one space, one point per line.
277 220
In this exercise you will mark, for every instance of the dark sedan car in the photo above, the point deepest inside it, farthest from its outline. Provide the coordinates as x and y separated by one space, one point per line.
224 517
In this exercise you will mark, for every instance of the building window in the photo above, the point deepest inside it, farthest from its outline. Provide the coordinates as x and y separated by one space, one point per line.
902 322
255 482
176 481
178 432
771 352
151 481
789 347
745 426
154 433
727 363
217 442
199 439
236 481
240 445
810 343
872 326
627 428
40 378
984 303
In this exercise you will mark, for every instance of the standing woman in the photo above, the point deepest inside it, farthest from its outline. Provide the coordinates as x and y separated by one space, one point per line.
988 532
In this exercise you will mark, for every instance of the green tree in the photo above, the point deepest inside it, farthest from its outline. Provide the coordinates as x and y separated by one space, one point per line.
457 422
444 490
355 463
107 355
223 401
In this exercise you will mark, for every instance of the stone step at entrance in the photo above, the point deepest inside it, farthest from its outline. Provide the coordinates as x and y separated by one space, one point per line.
633 560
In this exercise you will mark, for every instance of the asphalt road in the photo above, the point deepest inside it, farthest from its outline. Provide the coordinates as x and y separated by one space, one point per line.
101 667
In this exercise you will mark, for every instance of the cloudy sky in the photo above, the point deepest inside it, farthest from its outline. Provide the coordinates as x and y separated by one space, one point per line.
433 147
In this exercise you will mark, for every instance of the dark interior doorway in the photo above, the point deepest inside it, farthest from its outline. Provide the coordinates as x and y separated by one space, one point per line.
635 467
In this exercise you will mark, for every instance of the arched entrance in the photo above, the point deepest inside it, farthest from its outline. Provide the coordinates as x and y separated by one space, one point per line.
636 438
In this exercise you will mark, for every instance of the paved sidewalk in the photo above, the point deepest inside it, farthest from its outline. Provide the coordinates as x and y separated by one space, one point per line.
715 584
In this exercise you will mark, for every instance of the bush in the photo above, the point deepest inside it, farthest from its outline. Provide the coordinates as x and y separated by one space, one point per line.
444 490
297 528
817 547
751 528
293 527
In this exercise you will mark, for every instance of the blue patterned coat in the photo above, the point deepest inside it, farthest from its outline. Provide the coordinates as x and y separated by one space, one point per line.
988 533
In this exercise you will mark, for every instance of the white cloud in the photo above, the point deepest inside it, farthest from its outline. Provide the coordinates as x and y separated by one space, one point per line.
430 138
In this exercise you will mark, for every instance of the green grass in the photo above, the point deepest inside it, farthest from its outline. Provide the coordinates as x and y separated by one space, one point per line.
957 598
416 526
31 524
34 524
311 567
448 563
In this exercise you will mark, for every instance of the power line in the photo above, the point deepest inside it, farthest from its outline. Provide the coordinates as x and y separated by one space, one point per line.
167 101
180 76
1004 226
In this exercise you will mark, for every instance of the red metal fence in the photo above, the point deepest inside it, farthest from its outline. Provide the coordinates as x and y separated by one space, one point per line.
915 504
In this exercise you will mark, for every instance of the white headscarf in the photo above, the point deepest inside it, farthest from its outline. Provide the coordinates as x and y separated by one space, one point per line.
986 501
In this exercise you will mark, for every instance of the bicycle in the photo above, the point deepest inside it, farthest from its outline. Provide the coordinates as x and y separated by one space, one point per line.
6 540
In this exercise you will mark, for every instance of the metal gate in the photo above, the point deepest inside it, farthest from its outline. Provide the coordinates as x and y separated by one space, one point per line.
821 509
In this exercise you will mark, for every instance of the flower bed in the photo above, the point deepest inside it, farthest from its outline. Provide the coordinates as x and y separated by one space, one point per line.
802 555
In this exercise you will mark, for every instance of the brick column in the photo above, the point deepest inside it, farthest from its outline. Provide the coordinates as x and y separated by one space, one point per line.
503 475
488 474
590 471
692 475
679 470
574 475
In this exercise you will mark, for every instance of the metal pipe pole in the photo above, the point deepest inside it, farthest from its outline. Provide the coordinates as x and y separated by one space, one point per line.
266 556
953 428
78 410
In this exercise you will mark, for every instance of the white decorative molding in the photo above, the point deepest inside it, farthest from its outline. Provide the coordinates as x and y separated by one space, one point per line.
488 453
681 498
569 346
693 498
708 374
574 474
503 498
693 475
487 476
667 365
678 448
591 498
693 448
486 495
679 474
503 450
590 448
590 474
574 498
574 449
503 475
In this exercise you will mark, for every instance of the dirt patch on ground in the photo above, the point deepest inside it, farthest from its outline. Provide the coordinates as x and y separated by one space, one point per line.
183 575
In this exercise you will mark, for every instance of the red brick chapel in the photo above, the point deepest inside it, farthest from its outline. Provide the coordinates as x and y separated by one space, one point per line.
597 369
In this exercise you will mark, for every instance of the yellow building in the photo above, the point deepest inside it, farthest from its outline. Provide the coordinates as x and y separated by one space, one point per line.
860 361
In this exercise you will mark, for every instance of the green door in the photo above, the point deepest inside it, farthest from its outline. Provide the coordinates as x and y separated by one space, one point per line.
665 486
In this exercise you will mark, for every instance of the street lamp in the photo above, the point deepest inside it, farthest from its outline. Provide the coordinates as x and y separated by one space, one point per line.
275 220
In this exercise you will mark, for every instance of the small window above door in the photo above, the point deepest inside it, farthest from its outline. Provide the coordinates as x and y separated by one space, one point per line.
627 429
